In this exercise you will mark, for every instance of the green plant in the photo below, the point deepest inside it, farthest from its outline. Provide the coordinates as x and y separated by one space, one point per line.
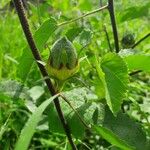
128 40
63 62
104 103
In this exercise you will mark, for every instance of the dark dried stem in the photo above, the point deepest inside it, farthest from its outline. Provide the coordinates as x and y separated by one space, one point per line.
113 23
29 37
142 39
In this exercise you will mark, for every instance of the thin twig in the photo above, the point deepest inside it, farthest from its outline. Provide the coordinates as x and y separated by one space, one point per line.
31 42
105 29
107 37
135 72
76 112
83 16
142 39
113 23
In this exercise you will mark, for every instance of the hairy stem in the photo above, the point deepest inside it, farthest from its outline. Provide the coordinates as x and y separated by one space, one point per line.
37 57
142 39
83 16
113 23
76 112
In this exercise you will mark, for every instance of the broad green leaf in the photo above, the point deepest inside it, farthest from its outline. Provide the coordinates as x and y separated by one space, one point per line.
135 12
77 98
29 128
85 37
87 113
73 33
41 36
126 129
115 80
54 123
138 62
76 126
112 138
99 88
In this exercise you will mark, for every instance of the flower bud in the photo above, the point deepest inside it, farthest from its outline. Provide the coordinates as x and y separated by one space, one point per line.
128 40
63 62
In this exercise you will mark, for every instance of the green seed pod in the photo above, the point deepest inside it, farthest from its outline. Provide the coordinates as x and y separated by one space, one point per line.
62 62
128 40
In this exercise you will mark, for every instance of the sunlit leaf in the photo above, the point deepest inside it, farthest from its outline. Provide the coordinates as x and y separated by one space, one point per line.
126 129
138 62
116 80
29 128
41 36
73 33
77 98
112 138
135 12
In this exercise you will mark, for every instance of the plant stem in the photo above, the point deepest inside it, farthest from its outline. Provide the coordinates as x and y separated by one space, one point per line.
113 23
142 39
107 37
76 112
85 15
105 29
37 57
135 72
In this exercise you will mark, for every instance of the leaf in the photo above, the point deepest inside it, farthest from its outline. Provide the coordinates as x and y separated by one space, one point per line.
4 127
135 12
36 92
29 128
116 80
85 37
99 88
76 126
41 36
73 33
138 62
126 129
77 98
112 138
87 113
12 88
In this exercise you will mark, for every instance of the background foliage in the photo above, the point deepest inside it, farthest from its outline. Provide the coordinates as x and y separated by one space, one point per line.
114 104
